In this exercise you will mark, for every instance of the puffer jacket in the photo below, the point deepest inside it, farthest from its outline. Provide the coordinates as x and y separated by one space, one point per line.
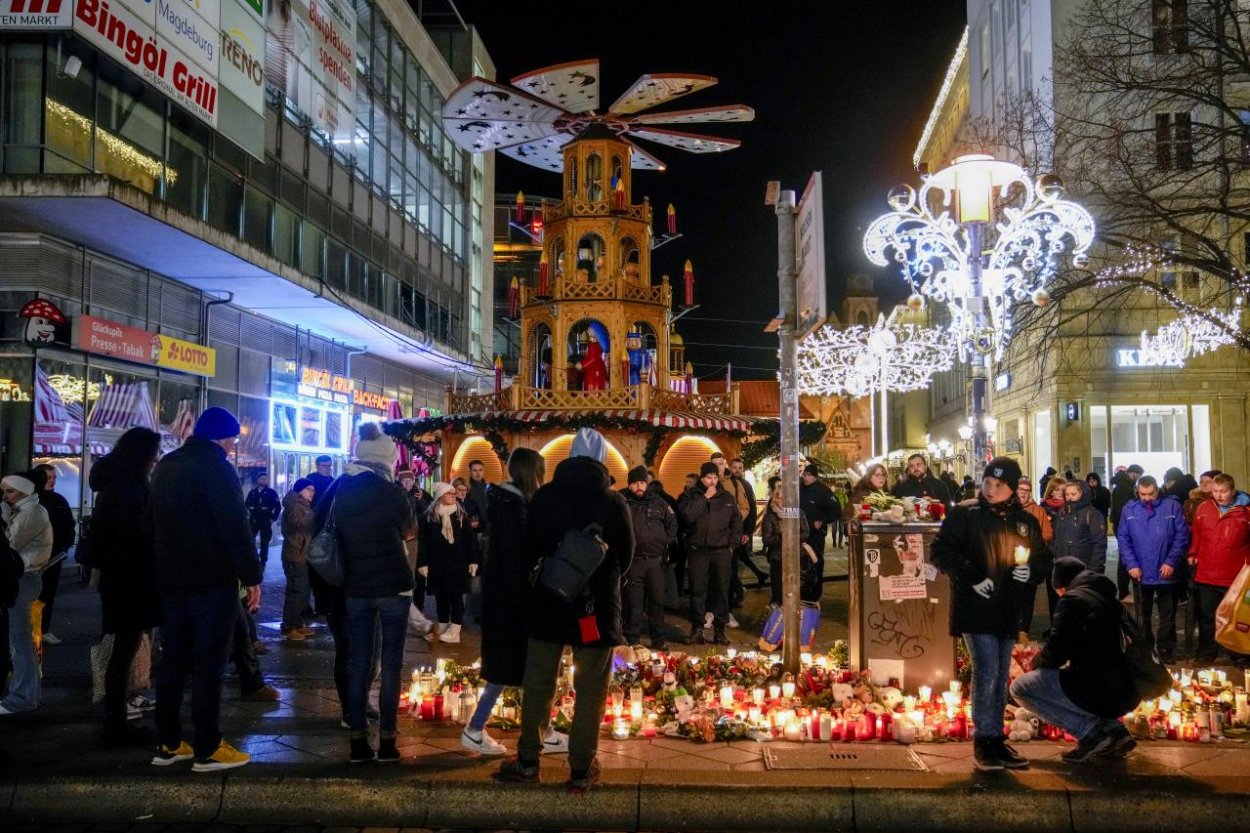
655 524
1084 646
770 532
711 523
579 492
29 532
297 528
1151 536
1081 531
1221 541
976 543
372 516
122 550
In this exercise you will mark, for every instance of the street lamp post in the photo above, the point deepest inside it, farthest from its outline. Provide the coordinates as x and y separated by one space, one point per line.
980 237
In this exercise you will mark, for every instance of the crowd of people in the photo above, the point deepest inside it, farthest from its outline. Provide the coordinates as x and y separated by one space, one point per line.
179 550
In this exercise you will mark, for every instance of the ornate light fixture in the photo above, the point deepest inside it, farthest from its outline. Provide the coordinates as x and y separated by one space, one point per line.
1190 335
864 361
980 237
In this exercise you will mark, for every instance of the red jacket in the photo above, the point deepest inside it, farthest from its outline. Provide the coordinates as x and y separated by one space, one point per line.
1221 543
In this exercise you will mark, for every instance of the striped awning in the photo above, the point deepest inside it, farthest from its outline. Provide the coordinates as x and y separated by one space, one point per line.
661 419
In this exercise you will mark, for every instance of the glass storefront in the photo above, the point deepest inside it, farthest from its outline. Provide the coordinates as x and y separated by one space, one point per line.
1156 437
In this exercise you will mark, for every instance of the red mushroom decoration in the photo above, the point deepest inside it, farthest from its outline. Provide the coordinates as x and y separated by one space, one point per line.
43 317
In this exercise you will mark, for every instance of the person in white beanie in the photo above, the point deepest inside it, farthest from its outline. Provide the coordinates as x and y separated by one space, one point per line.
29 532
447 556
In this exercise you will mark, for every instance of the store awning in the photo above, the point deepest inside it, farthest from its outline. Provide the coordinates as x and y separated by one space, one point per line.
693 420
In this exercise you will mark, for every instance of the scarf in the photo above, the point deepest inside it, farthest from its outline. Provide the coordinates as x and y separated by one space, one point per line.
1003 509
446 511
1149 506
1054 502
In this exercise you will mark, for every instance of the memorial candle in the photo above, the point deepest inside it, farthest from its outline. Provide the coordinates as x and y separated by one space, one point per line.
620 729
787 689
926 694
635 710
826 727
726 697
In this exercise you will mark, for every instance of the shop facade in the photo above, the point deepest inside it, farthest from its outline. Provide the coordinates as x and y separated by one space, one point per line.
107 369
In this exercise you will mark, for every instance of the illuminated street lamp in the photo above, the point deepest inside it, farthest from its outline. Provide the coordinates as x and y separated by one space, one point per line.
980 237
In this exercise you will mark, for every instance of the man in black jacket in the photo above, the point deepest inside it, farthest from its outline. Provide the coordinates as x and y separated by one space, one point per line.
991 552
655 529
920 483
204 552
821 509
63 533
713 529
578 496
1080 681
321 478
1123 490
263 508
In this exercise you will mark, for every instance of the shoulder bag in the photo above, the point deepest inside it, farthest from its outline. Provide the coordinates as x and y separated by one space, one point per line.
324 555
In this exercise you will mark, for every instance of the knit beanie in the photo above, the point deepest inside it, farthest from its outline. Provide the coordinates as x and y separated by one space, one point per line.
216 423
441 489
589 443
302 484
381 451
638 474
18 483
1066 569
1004 469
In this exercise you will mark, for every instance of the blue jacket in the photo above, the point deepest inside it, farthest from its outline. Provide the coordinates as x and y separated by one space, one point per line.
1148 540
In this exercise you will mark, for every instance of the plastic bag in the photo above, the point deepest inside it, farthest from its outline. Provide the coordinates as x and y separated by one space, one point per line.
1232 617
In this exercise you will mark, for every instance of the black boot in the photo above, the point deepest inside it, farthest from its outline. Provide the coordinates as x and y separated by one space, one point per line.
985 755
719 637
696 636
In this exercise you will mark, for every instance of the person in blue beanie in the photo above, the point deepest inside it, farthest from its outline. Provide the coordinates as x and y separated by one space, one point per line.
204 553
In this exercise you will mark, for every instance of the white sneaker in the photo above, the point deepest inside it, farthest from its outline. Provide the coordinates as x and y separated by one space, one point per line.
731 622
555 743
450 635
51 639
708 619
483 744
418 622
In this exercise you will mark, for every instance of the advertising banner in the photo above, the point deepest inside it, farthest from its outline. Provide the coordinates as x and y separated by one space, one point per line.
809 249
36 14
311 57
133 344
132 40
242 65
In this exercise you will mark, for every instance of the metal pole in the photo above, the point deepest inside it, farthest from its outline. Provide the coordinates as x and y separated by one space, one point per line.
885 418
787 295
977 378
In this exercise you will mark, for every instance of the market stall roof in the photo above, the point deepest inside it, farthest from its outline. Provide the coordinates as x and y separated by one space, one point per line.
693 420
756 397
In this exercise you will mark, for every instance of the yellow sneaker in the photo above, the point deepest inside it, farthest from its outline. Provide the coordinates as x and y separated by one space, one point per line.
165 756
226 757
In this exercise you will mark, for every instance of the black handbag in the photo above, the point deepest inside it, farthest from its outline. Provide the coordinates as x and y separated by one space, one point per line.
566 572
324 554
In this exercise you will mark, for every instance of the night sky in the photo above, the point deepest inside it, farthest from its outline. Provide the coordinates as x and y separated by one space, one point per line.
840 86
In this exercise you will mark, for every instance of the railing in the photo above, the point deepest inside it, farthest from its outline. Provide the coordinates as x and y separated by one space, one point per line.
575 399
712 403
608 289
470 403
593 208
643 396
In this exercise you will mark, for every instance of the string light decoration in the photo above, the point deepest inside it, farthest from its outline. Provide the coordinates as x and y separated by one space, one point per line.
863 361
116 146
1191 335
1015 258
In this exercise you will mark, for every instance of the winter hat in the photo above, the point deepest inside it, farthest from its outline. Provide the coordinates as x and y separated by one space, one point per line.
812 469
1066 569
638 474
216 423
589 443
441 489
324 458
302 484
381 451
402 473
1135 469
1172 475
708 468
1004 469
18 483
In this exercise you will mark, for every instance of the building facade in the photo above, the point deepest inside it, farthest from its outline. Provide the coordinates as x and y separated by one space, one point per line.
267 188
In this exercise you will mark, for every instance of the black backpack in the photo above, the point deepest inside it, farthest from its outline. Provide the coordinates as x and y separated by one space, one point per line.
1150 677
566 572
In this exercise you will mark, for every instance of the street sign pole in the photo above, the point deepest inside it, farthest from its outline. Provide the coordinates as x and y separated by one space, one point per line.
787 273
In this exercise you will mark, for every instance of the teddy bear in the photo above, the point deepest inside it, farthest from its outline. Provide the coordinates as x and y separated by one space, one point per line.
1024 726
684 704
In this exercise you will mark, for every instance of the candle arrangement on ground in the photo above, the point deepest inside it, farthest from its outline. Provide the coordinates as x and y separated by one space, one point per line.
748 696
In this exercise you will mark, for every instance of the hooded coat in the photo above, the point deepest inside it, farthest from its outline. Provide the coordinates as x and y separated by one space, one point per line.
297 528
1084 646
1081 531
978 542
372 516
1221 541
29 532
578 493
1152 535
123 550
504 584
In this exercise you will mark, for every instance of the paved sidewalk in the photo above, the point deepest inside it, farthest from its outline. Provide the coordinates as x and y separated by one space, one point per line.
299 774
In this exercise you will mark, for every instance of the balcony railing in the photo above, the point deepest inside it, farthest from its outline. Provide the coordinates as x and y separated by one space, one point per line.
644 396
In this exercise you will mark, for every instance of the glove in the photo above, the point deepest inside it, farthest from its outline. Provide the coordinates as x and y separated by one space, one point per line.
984 588
473 570
424 571
1020 573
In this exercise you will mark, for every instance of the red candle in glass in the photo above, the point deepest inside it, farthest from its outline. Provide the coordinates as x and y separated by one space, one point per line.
427 707
813 728
848 731
885 726
959 727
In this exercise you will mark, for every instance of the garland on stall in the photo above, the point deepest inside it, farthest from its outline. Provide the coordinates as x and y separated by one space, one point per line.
768 440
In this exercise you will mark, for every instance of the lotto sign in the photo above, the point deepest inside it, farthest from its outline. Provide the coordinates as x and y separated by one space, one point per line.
36 14
186 356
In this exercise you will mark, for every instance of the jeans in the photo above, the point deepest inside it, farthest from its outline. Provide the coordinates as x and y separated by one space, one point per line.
644 600
296 598
1165 596
490 694
336 623
195 640
709 585
991 667
363 618
117 675
542 664
1039 691
25 688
